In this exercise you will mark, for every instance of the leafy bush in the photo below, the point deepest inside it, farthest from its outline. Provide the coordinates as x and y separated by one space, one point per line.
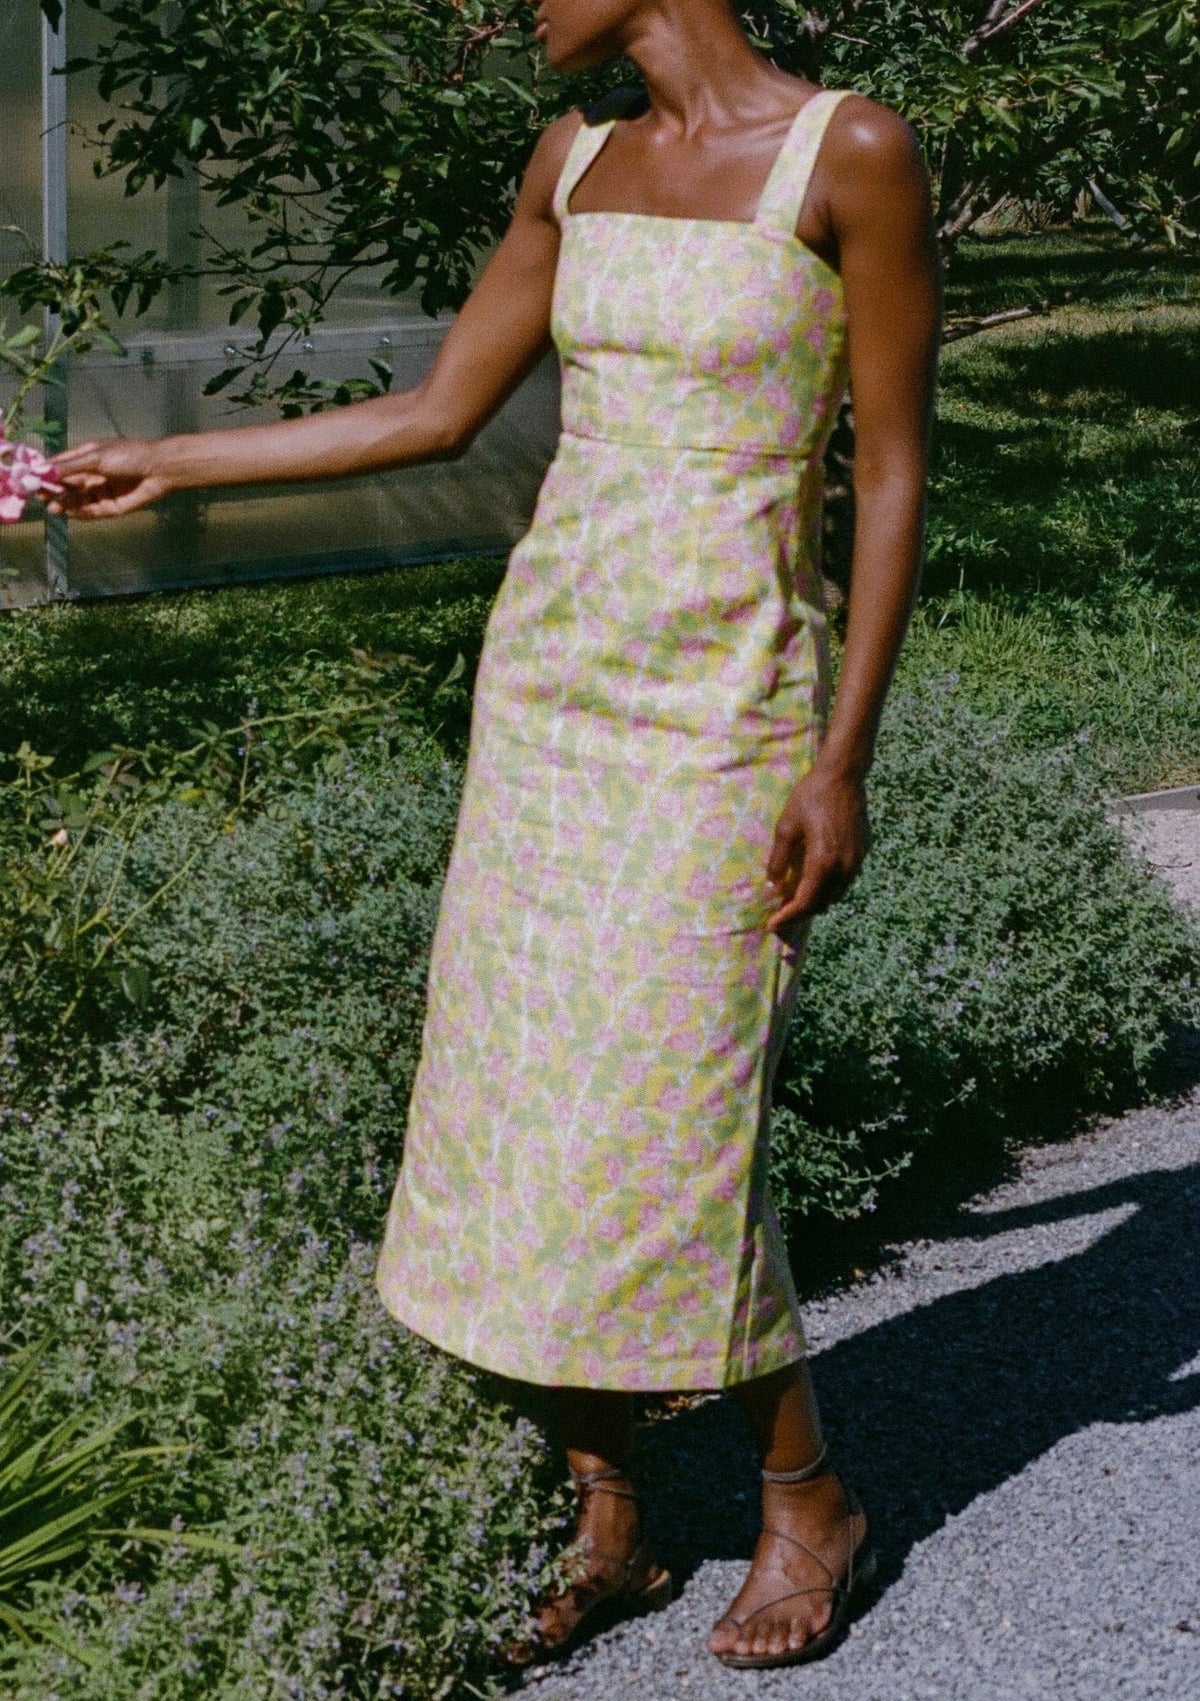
195 1215
1004 961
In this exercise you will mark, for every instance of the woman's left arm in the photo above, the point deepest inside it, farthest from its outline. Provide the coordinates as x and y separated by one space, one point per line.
877 208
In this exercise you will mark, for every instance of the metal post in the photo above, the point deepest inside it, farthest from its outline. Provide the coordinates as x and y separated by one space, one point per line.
54 250
180 517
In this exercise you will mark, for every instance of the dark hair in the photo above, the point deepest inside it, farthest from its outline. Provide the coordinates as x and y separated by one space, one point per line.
628 101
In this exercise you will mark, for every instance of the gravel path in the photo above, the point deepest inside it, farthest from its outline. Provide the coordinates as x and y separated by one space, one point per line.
1170 839
1018 1403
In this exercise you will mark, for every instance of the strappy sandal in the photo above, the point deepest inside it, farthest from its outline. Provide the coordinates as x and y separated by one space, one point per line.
601 1602
847 1590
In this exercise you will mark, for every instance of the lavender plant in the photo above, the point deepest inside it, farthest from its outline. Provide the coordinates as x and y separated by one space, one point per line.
195 1204
1002 965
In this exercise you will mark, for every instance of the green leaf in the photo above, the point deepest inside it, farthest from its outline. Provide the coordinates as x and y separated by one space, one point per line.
135 984
223 380
25 337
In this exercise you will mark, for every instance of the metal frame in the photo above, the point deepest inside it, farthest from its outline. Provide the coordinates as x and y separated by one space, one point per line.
54 250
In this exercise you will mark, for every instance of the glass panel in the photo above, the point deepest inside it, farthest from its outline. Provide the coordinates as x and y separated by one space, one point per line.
21 565
164 219
21 103
481 502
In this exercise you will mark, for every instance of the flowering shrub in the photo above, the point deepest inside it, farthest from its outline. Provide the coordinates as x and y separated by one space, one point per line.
190 1199
1002 965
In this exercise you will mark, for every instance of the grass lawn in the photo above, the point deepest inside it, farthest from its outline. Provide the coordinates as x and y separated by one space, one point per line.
1064 542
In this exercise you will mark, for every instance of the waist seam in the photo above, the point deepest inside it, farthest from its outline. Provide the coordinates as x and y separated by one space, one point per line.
663 446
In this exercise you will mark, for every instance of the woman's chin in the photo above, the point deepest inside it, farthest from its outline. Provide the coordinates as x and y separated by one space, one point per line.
570 60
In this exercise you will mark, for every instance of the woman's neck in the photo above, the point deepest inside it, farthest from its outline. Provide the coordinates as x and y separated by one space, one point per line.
701 73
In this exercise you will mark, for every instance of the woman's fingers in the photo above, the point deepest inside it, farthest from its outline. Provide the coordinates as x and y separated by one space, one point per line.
821 877
103 480
76 459
94 497
818 847
79 483
103 504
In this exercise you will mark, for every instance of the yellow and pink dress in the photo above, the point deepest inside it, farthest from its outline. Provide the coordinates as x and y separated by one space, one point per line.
583 1198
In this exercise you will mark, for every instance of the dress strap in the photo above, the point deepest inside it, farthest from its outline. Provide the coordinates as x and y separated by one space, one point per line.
589 139
784 191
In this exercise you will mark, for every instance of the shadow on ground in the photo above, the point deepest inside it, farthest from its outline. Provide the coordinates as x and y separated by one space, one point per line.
929 1410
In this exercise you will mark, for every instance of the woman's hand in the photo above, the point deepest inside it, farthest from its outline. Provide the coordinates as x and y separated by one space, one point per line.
101 480
820 841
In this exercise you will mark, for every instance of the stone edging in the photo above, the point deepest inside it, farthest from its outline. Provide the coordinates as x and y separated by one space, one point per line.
1147 802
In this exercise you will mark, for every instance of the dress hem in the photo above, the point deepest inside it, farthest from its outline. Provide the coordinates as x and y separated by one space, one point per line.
666 1377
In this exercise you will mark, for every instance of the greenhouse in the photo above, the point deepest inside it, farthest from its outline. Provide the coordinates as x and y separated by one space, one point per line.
52 205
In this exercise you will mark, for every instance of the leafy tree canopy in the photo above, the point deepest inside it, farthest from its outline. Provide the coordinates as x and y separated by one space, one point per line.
390 134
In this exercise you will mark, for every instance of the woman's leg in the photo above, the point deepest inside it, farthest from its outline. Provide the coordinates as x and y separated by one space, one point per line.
782 1410
596 1428
597 1432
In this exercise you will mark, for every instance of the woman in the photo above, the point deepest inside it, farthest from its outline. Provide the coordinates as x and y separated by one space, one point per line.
654 805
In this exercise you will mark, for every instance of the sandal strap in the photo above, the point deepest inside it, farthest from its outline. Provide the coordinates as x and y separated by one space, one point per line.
792 1594
836 1586
806 1473
782 1535
629 1563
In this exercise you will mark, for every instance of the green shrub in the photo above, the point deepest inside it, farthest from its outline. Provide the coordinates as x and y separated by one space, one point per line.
1003 963
195 1216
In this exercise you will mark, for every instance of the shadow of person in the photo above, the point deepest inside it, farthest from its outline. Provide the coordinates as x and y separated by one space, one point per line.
927 1410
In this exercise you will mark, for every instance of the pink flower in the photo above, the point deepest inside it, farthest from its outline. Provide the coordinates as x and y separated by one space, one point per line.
24 472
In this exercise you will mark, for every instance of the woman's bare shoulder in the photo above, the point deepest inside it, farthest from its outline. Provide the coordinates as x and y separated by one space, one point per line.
872 189
866 138
547 161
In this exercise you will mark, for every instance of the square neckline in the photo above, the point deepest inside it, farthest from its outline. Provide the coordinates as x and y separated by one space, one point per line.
757 223
773 236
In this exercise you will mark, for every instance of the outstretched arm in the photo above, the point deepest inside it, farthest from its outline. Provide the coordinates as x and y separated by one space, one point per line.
878 213
498 336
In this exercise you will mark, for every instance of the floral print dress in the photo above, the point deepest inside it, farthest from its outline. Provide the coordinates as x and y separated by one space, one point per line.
583 1198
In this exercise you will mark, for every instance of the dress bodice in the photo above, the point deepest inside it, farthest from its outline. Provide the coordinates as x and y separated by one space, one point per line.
700 333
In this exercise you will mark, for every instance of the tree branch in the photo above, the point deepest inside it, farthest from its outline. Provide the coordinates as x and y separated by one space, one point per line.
1114 213
1115 278
996 22
970 327
969 205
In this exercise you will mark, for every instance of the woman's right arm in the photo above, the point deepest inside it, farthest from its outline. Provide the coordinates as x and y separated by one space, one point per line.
501 332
